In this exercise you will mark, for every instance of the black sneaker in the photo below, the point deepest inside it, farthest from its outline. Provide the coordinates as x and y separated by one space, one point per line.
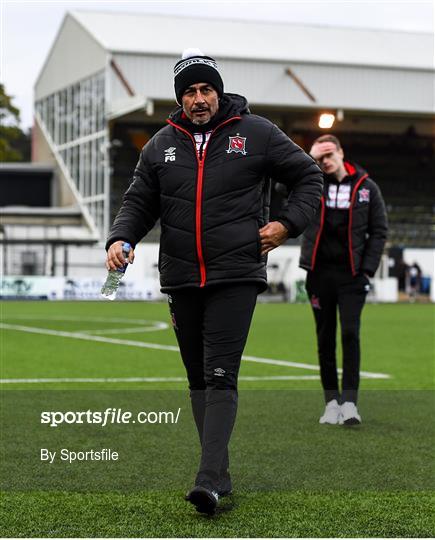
204 499
225 487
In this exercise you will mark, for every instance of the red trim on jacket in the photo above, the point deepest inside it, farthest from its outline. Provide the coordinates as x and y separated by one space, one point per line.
319 232
350 169
198 221
199 189
349 232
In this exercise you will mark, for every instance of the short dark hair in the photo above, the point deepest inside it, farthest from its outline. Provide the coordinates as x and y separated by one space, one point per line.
329 138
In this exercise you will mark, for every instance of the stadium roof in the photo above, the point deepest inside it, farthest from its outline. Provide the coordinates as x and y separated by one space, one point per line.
169 35
45 225
14 166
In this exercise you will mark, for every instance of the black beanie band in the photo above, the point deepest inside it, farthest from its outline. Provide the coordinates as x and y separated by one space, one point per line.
196 69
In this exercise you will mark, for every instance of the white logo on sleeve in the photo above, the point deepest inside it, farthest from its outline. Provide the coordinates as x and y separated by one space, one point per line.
219 372
170 154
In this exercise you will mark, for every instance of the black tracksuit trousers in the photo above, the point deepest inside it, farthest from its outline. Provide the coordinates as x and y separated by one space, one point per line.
328 289
212 325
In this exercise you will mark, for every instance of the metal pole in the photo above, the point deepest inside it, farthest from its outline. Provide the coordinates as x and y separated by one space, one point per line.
53 259
5 257
65 260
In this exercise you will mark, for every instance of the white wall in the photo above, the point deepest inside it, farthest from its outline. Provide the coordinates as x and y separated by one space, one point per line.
88 262
424 257
74 55
426 260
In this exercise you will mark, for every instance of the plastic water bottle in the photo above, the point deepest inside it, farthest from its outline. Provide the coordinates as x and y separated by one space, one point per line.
110 287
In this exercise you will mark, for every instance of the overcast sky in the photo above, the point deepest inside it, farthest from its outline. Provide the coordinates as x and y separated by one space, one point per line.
28 28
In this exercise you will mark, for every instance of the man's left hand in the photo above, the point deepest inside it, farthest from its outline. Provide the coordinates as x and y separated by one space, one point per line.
272 235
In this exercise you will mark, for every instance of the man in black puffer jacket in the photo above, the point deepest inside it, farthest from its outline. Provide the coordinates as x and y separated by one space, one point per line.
341 249
206 175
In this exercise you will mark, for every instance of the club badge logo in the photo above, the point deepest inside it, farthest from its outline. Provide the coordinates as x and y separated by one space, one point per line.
237 144
364 195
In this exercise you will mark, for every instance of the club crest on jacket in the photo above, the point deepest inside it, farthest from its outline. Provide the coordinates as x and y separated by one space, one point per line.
364 195
237 144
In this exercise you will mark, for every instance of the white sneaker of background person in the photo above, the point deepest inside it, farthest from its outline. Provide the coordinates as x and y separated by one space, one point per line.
332 413
349 414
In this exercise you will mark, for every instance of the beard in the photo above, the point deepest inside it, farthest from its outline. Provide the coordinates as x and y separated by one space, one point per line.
200 121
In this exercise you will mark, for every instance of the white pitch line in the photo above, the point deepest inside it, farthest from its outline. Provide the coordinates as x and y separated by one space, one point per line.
158 346
132 330
365 374
145 323
159 325
88 337
151 379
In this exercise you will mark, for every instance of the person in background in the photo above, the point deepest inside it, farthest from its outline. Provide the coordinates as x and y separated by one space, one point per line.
341 249
415 275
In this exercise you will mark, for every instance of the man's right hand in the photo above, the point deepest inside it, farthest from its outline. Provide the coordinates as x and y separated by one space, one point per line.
115 258
272 235
318 150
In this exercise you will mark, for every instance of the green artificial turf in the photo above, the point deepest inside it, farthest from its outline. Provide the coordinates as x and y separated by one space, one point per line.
292 477
247 514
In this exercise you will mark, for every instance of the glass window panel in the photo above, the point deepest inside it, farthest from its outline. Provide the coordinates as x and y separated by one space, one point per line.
77 167
64 115
50 116
59 117
68 114
68 159
83 123
92 104
45 111
56 118
76 111
84 117
99 216
100 167
93 167
80 169
86 170
89 171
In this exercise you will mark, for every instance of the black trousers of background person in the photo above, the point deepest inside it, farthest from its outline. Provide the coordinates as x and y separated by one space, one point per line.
212 325
328 289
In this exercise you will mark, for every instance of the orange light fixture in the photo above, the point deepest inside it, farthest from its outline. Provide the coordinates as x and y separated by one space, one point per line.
326 120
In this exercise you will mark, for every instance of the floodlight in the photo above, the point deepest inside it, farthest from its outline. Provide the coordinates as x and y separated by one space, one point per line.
326 120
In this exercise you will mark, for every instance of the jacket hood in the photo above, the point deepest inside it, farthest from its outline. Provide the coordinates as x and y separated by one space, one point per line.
229 105
354 170
354 173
